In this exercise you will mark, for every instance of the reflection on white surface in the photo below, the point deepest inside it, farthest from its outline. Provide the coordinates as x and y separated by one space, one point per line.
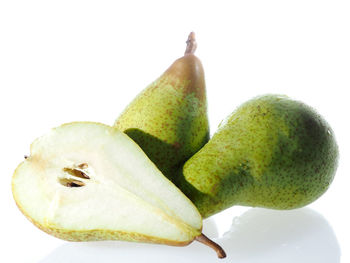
262 235
259 235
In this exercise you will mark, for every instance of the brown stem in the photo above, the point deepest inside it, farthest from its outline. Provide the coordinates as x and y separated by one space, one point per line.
191 44
206 241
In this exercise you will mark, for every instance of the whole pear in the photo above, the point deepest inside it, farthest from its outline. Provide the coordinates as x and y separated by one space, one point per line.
271 152
168 119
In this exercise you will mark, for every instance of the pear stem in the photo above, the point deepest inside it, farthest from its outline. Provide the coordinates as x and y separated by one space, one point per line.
191 44
206 241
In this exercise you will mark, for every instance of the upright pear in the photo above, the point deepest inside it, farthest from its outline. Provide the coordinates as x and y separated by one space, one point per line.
272 152
168 119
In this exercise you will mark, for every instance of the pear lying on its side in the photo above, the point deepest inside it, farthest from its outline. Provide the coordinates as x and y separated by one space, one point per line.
271 152
88 181
168 119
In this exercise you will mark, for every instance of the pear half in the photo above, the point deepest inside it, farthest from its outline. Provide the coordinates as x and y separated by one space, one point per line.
87 181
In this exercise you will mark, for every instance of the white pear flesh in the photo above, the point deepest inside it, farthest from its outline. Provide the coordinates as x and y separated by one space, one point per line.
122 195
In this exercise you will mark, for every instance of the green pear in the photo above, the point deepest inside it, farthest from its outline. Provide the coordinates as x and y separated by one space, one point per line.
168 119
87 181
271 152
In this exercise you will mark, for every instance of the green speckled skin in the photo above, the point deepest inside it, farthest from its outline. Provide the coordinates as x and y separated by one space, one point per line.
168 119
271 152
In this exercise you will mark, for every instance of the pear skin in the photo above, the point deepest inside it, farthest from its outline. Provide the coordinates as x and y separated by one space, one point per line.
272 152
168 119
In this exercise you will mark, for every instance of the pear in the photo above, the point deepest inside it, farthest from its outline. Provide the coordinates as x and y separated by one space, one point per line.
271 152
87 181
168 119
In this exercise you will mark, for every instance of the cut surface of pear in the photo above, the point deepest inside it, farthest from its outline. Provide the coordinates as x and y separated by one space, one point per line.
88 181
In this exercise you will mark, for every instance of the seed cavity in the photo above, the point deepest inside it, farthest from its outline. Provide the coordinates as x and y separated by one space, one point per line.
68 182
76 172
72 175
83 166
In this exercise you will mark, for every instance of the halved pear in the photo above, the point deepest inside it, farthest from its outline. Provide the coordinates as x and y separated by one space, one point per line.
87 181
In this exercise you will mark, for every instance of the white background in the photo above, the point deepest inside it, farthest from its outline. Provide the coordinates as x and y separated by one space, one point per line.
63 61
